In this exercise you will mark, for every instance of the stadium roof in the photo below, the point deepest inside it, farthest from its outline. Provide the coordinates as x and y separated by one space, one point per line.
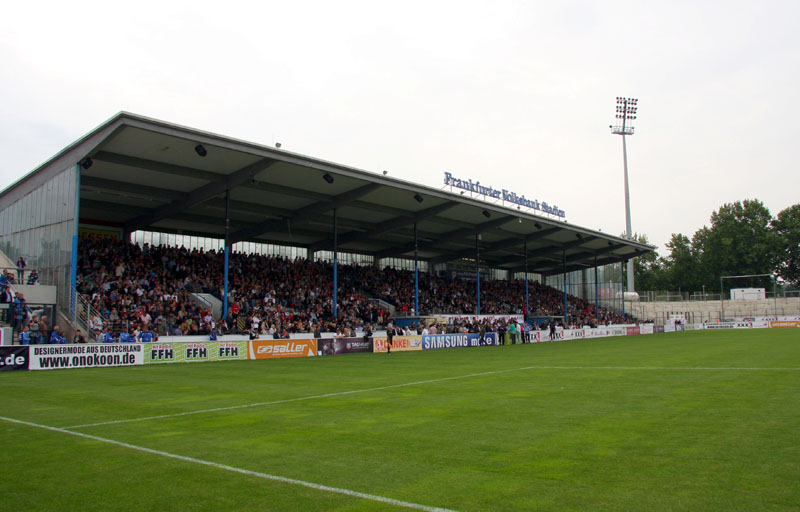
146 174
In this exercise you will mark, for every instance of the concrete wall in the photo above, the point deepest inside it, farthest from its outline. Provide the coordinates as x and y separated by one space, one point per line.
700 311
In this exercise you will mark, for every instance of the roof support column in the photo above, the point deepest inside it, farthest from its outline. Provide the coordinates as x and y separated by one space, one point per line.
73 266
622 285
478 270
596 294
227 253
416 272
526 281
335 269
564 257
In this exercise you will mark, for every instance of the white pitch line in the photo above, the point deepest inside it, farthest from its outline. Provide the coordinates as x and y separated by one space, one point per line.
418 383
680 368
258 474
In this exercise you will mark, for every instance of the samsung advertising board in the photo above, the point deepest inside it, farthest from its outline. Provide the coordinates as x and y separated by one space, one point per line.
434 341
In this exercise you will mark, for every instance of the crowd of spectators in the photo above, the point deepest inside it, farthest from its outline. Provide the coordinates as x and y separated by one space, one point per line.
148 288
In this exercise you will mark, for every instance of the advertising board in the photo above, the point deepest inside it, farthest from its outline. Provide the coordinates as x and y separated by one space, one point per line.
13 358
399 343
456 340
785 323
332 346
52 357
280 349
193 352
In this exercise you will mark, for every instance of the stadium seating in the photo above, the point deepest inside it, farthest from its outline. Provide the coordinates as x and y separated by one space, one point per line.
135 286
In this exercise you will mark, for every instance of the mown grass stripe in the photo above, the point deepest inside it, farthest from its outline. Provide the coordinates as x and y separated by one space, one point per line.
421 382
258 474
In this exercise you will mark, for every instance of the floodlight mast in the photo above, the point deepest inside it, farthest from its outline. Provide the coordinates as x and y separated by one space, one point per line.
626 111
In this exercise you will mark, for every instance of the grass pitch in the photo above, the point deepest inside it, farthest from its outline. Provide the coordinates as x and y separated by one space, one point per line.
684 421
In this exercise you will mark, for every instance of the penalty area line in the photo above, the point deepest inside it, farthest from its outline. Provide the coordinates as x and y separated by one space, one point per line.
225 467
429 381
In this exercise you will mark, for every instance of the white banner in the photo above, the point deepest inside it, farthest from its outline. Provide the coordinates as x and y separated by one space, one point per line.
53 357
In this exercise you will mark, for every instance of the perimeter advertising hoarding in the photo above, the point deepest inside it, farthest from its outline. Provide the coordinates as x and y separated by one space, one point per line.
280 349
537 336
52 357
332 346
13 358
194 352
785 323
399 343
456 340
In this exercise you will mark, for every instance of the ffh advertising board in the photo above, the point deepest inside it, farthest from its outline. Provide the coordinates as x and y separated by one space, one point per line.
332 346
194 352
280 349
399 343
13 358
53 357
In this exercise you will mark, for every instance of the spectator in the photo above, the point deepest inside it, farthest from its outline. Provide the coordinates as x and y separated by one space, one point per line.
20 269
24 336
79 337
33 277
56 338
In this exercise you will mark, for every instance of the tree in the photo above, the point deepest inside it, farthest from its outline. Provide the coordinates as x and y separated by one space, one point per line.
739 242
648 269
786 227
682 266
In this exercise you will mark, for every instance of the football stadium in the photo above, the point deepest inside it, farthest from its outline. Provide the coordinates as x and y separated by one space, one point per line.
196 322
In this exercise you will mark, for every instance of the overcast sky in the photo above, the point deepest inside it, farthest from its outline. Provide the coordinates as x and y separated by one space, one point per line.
516 95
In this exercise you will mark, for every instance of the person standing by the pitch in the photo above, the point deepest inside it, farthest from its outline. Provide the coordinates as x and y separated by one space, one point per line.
390 332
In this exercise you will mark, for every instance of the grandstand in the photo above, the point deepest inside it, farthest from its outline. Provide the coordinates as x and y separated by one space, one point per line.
141 220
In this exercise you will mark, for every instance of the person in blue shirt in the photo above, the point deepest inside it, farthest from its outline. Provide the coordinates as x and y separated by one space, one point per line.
25 336
146 336
56 338
125 337
107 337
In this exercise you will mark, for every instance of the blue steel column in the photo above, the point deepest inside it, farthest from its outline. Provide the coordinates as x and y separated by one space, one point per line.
227 252
564 253
73 267
416 272
596 293
622 267
335 270
478 270
527 311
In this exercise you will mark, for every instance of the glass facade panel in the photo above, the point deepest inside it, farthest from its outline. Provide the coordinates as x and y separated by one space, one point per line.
39 227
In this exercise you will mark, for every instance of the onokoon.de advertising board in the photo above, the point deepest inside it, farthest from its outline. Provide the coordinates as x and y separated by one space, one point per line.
56 357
